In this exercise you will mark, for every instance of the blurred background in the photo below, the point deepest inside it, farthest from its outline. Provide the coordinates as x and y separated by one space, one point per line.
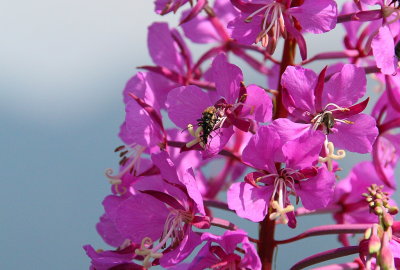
63 67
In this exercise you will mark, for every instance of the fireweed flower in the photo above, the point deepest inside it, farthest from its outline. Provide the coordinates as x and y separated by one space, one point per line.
219 252
328 108
142 131
165 212
210 117
271 186
278 18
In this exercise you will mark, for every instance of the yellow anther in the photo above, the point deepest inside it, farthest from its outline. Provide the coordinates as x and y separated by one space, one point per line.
330 155
348 122
280 213
147 253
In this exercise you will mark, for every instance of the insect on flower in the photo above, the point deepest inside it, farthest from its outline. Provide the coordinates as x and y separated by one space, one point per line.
208 122
328 121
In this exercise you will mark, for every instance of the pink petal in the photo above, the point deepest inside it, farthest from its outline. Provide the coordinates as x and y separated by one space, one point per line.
383 50
162 47
227 78
217 141
190 241
261 149
249 202
317 191
244 32
186 104
199 30
345 87
316 16
189 181
141 216
304 151
300 83
362 133
109 232
258 104
139 127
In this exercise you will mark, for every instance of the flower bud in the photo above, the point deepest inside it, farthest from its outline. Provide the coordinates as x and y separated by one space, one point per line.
385 259
387 220
374 244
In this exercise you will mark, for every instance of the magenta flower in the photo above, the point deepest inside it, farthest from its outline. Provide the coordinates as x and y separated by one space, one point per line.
142 131
328 107
266 20
271 186
215 114
166 211
219 252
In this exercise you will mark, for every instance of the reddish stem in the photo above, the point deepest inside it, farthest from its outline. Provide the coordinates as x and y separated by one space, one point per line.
327 229
266 245
287 60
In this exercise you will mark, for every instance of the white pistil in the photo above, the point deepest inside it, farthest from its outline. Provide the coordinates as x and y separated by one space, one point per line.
147 253
197 136
330 154
134 153
280 213
279 206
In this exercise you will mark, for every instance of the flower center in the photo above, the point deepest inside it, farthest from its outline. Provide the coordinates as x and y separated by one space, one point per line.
272 20
130 161
174 230
326 118
283 186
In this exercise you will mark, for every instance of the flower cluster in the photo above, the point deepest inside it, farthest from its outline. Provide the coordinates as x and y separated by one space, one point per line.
275 150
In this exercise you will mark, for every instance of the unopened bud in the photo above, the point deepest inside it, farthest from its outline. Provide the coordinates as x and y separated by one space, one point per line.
387 220
393 210
368 233
378 210
374 244
385 259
